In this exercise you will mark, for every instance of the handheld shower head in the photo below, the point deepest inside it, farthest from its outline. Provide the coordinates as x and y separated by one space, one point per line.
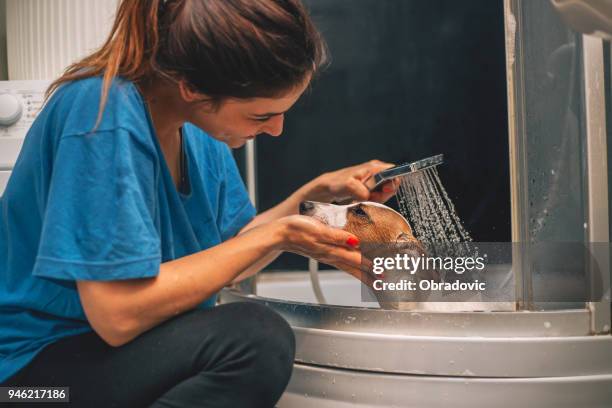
378 179
403 169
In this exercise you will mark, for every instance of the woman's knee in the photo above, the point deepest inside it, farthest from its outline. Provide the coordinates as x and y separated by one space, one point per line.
264 330
267 338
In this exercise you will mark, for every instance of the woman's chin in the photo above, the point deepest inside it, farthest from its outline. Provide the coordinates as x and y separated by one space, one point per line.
242 141
234 142
237 143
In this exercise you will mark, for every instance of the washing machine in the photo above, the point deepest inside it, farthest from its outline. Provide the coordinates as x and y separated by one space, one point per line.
20 102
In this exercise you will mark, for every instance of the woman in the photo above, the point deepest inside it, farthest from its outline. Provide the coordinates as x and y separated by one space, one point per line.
125 213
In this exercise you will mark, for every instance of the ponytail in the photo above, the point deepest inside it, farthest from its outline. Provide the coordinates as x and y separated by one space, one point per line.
129 51
220 48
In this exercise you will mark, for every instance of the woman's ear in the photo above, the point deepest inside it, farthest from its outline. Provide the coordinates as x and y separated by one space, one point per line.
188 94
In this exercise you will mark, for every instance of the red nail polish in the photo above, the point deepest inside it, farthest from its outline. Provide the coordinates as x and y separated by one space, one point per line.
388 189
352 241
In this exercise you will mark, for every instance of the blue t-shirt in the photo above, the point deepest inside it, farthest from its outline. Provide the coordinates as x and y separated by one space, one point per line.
101 205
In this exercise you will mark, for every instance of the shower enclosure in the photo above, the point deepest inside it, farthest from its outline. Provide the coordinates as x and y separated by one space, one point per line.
554 349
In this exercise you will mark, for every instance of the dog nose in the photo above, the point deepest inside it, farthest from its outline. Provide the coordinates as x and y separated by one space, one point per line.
305 207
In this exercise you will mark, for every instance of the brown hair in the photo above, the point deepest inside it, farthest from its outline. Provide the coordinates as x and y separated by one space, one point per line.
221 48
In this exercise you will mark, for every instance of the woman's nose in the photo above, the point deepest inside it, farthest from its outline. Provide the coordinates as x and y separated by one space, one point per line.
274 127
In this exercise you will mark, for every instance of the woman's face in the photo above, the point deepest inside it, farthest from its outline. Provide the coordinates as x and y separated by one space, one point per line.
239 120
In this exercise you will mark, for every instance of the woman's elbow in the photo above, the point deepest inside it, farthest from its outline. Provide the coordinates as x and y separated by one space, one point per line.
106 317
116 333
114 329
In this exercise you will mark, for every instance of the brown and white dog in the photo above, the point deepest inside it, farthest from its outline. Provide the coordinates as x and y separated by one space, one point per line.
387 232
376 223
369 221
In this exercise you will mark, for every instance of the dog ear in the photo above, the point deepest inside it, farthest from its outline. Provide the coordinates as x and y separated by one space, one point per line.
407 244
403 237
409 241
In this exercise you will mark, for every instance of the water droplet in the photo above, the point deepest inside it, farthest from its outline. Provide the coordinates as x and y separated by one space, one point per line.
423 201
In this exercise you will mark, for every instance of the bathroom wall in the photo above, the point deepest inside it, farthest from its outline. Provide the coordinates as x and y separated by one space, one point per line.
3 61
408 79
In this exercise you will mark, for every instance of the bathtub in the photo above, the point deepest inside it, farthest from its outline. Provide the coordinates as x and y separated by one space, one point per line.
352 353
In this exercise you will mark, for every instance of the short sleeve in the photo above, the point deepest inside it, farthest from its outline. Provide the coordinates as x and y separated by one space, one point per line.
99 221
235 207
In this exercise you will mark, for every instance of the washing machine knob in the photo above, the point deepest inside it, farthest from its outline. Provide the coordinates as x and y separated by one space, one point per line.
10 109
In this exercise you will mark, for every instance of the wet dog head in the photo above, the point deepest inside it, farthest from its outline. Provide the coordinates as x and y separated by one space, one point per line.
368 221
386 233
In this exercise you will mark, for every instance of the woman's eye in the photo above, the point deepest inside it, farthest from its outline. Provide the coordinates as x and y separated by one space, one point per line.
264 119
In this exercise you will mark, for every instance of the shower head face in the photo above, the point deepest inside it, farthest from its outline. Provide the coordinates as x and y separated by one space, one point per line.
378 179
403 169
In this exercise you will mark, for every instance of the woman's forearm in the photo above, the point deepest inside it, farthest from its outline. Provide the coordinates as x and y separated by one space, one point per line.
342 183
257 266
348 182
121 310
289 206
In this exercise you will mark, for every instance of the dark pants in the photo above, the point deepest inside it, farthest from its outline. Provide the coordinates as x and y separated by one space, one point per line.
234 355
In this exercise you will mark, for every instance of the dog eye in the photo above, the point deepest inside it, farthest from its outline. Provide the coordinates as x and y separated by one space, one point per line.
360 212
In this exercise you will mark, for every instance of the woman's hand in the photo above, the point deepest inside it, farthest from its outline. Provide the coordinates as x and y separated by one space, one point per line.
349 182
311 238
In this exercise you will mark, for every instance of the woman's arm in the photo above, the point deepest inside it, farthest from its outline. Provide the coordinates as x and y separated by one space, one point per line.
287 207
347 182
325 188
121 310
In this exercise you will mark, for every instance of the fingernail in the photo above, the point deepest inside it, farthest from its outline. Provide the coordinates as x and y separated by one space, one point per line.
388 189
352 241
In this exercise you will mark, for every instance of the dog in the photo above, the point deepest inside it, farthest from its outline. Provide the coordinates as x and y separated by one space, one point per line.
391 234
385 233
